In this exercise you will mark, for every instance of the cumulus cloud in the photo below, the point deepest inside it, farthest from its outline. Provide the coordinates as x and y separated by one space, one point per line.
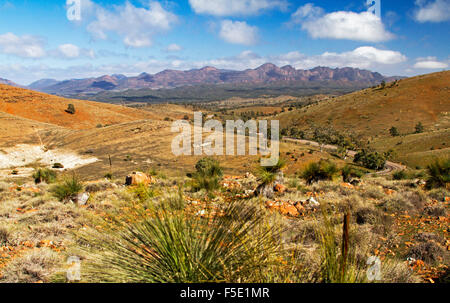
238 32
173 48
429 63
136 26
235 7
434 11
71 51
26 46
347 25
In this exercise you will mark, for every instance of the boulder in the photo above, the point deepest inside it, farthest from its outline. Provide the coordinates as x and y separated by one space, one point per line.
137 178
280 188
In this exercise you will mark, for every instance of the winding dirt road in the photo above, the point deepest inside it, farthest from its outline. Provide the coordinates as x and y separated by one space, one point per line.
389 167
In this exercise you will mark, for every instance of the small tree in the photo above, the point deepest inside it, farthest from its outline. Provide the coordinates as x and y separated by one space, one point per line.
419 128
393 131
70 109
383 84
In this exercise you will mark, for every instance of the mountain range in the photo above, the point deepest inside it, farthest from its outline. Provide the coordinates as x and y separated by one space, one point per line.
167 79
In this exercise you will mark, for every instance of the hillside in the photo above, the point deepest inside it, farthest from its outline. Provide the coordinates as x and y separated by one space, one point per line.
51 109
373 111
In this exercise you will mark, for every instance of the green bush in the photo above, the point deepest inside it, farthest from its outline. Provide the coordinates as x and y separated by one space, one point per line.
370 160
349 172
175 246
394 131
44 175
70 109
208 175
322 170
400 175
143 192
67 188
438 174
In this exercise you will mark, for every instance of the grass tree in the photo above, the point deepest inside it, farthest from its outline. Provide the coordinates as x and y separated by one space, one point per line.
268 176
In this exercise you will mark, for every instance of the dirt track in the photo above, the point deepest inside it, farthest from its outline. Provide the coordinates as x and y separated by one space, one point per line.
388 168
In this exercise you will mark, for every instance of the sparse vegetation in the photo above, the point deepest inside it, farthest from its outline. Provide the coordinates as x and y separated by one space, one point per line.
67 187
208 175
44 175
322 170
70 109
438 174
370 160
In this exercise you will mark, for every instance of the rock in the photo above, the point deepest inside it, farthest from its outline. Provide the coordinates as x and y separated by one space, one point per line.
299 207
280 188
265 190
82 199
289 210
312 203
137 178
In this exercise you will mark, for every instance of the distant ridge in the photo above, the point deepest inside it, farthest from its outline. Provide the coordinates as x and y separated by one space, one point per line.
9 82
266 73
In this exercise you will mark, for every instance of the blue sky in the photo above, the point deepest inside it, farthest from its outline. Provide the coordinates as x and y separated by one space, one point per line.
37 39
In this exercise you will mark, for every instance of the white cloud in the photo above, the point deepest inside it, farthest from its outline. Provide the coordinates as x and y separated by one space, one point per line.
136 26
347 25
363 57
434 11
235 7
70 51
174 48
238 32
26 46
429 63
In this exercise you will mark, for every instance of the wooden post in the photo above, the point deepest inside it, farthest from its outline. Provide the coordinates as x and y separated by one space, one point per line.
345 240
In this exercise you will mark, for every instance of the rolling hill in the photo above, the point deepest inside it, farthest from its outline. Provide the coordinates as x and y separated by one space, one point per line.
401 104
50 109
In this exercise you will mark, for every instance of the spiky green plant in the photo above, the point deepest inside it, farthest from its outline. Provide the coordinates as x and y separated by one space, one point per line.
438 174
322 170
208 175
176 246
336 267
349 172
44 175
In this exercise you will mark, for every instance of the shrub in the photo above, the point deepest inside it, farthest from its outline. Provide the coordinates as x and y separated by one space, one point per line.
370 160
44 175
4 236
67 188
208 175
143 192
394 131
70 109
419 128
174 246
438 174
400 175
349 172
429 251
322 170
58 165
